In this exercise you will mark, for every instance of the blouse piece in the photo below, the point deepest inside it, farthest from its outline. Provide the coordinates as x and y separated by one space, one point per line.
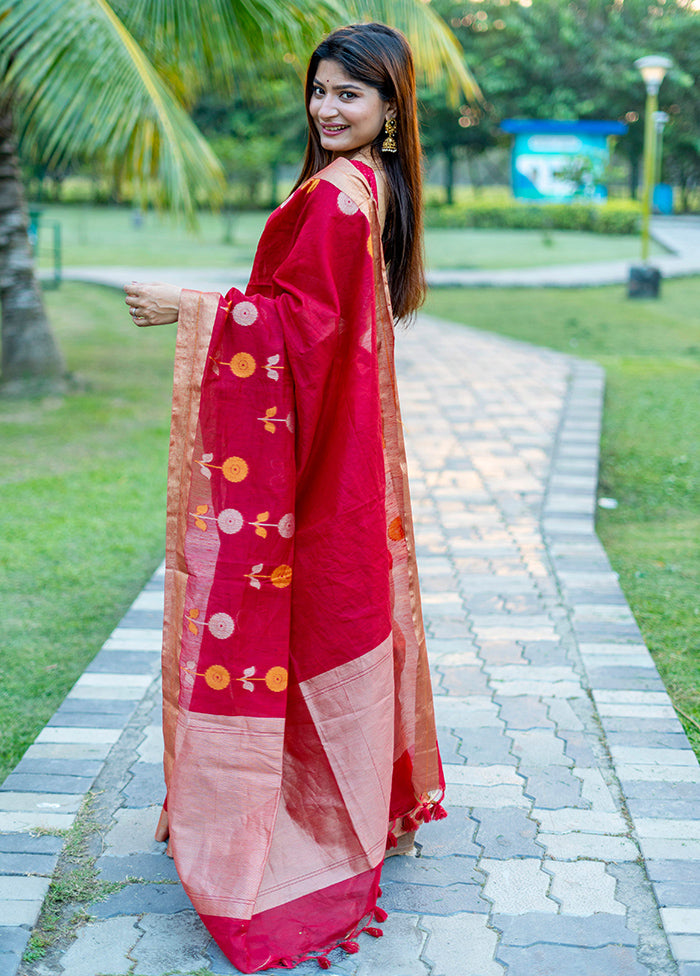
299 730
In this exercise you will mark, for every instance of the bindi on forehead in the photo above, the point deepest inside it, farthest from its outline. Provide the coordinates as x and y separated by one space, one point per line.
329 82
332 76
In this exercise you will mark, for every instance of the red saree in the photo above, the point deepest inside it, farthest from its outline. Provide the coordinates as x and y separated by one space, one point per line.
298 714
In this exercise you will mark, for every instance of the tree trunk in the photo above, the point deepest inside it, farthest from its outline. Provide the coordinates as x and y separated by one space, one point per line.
449 175
634 176
274 184
30 356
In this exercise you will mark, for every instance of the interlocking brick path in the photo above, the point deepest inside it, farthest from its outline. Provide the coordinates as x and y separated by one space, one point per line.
573 841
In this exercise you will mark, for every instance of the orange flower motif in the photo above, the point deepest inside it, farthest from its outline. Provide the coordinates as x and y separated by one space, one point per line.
235 469
276 679
396 531
281 577
242 365
217 677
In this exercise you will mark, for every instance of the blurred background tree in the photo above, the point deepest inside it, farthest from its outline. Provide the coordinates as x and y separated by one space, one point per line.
544 59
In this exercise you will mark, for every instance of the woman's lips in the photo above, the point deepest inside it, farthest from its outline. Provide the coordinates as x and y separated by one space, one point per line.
333 130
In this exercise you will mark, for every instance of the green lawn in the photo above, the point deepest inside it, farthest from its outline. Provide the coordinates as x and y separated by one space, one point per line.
483 249
82 505
108 236
650 447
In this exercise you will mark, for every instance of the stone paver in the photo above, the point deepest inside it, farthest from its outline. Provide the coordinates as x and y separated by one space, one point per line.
573 841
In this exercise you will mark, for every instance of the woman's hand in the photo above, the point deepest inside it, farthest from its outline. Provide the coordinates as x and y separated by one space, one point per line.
152 303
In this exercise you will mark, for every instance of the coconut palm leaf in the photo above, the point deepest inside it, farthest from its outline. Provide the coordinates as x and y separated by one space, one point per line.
225 39
84 85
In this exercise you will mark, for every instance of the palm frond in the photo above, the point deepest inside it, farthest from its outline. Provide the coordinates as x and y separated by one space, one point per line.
226 39
84 85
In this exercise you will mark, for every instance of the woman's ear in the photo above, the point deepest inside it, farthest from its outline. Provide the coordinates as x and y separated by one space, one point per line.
391 109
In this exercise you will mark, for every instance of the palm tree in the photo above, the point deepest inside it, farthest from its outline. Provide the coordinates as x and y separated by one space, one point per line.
113 80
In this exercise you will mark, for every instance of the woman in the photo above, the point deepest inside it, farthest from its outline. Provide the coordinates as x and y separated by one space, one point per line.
300 741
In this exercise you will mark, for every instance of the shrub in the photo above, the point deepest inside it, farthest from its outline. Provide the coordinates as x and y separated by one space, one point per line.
612 217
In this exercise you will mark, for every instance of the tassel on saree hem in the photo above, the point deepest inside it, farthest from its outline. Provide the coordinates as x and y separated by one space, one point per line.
400 838
349 945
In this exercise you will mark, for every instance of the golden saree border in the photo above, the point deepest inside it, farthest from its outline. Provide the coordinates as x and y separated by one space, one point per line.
195 323
227 766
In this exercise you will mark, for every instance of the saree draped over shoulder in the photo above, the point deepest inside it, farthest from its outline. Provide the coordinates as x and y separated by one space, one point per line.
298 717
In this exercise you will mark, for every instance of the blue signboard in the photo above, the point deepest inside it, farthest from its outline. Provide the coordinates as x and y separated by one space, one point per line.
560 161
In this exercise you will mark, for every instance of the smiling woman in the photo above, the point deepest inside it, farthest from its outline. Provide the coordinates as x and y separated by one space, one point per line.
300 742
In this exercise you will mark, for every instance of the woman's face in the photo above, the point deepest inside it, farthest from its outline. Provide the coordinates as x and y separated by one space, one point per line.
348 114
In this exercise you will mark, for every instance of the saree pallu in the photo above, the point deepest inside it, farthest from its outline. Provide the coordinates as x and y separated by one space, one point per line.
298 720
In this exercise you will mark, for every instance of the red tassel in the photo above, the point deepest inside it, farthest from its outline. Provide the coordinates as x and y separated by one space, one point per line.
426 813
408 823
391 841
380 915
375 933
379 892
351 947
439 812
324 962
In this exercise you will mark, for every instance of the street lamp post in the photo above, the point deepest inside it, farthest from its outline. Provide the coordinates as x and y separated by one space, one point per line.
653 70
660 120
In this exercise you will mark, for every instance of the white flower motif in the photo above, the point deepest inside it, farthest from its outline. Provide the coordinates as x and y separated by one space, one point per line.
245 313
206 459
252 576
221 626
290 423
346 205
285 526
272 365
230 521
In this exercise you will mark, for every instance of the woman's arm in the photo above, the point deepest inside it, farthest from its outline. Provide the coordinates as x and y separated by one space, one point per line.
152 303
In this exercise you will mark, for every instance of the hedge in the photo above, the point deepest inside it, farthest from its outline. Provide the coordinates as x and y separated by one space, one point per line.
611 217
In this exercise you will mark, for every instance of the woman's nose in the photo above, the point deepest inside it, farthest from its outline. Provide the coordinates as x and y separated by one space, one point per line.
328 107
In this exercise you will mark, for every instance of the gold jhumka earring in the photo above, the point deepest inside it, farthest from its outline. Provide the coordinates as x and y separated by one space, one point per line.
389 144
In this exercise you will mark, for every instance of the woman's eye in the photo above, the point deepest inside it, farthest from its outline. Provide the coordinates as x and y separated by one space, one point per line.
318 92
348 95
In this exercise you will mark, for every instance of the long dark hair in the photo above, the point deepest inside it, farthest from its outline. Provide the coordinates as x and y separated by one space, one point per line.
380 56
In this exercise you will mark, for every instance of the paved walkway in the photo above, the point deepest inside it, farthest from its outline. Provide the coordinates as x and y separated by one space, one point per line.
572 847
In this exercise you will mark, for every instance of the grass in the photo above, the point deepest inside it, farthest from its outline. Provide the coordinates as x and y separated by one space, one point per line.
82 505
75 883
108 236
650 460
486 249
